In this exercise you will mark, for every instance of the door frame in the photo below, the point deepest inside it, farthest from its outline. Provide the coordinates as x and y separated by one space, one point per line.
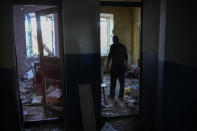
55 3
139 5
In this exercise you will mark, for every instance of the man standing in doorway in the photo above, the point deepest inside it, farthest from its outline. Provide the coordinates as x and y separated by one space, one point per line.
118 55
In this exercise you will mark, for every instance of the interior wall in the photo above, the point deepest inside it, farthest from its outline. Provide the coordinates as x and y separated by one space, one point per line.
149 74
180 67
123 26
136 34
20 38
81 55
12 117
168 91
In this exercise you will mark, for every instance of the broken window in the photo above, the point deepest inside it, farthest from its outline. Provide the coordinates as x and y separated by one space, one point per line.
48 37
31 35
106 28
47 25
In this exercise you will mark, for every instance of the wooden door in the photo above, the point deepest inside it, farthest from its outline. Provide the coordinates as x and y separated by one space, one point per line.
49 46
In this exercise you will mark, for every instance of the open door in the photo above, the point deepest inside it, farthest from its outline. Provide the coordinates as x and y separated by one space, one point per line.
51 59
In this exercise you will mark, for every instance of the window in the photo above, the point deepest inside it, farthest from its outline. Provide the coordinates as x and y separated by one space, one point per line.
106 28
31 35
48 36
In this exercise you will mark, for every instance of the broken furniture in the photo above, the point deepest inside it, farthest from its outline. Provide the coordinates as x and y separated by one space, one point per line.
53 93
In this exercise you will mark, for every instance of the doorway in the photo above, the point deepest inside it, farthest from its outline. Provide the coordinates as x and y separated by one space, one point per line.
125 22
39 61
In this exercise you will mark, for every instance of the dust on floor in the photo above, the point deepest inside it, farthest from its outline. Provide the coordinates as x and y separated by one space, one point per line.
26 91
118 124
37 113
126 124
47 127
116 107
33 109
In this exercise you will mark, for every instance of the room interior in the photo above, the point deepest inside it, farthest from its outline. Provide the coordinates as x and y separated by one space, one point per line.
168 66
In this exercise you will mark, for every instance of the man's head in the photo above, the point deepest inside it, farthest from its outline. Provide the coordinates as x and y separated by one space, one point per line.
115 39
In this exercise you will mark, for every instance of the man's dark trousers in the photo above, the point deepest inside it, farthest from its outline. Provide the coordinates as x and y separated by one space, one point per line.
117 73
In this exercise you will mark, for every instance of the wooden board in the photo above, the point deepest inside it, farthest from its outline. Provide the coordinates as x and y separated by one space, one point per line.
87 107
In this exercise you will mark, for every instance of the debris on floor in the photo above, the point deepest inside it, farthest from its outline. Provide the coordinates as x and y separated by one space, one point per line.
31 97
29 74
37 99
54 97
134 91
120 107
127 90
26 91
53 92
25 113
60 126
108 127
37 113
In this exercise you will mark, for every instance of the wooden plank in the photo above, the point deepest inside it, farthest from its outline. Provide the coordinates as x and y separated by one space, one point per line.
87 107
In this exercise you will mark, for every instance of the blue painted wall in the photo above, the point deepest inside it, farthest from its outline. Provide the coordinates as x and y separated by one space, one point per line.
168 90
180 67
81 54
80 69
150 45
